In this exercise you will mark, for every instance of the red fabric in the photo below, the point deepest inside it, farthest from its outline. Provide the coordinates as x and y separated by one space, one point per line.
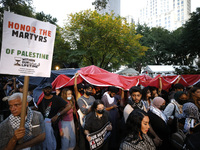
40 98
167 81
60 81
100 77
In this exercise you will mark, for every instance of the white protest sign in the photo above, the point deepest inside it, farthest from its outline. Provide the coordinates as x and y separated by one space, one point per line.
27 46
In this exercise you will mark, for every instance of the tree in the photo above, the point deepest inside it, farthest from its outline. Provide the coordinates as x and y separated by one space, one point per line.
100 4
191 34
179 53
21 7
61 46
102 40
61 51
46 18
157 41
142 61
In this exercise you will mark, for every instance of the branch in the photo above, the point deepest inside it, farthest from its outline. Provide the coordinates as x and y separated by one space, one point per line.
104 55
105 66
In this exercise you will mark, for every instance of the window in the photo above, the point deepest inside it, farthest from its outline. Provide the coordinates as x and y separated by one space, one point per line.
182 2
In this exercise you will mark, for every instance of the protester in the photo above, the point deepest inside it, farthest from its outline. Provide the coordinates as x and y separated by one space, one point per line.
51 108
158 122
174 109
66 124
146 97
110 103
9 86
78 89
194 96
85 107
189 118
134 101
84 103
98 92
15 137
137 126
4 108
177 87
154 91
96 120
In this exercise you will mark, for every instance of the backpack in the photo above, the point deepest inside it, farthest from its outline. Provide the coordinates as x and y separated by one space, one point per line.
178 139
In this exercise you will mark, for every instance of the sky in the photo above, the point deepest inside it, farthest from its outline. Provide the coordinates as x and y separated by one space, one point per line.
61 8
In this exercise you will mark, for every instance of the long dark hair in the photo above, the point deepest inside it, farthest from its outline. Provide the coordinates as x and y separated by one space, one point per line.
95 104
144 93
133 124
191 91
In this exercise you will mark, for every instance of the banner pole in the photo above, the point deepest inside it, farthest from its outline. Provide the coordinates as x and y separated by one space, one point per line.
24 101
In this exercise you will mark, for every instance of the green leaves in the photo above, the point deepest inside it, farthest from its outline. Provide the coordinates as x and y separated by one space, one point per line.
102 40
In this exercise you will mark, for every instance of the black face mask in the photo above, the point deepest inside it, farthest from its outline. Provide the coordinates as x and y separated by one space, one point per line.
162 107
88 93
181 102
100 111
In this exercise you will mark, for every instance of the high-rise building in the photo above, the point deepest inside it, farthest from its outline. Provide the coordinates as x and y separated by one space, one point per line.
169 14
112 5
130 19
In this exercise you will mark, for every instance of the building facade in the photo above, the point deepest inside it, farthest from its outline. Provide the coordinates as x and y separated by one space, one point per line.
112 5
169 14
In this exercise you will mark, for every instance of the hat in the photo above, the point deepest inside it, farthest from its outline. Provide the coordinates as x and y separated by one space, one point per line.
47 84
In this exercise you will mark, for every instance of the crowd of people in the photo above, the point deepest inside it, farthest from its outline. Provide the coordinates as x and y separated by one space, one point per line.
86 117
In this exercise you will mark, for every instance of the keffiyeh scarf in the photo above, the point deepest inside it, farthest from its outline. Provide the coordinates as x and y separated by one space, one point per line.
190 110
158 113
139 105
110 100
15 123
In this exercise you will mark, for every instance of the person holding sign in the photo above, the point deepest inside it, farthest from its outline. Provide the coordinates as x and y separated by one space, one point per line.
84 103
137 126
15 137
96 126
